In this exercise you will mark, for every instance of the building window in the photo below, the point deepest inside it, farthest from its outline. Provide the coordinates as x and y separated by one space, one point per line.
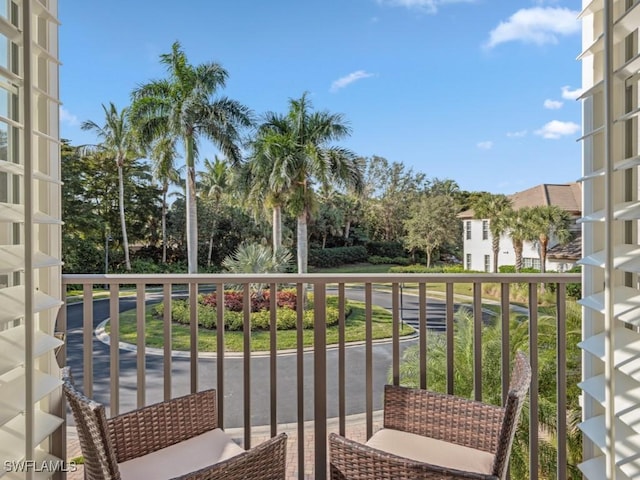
531 263
485 229
487 263
468 261
468 225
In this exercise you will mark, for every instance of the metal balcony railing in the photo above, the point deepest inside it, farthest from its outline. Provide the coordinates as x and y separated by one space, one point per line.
309 390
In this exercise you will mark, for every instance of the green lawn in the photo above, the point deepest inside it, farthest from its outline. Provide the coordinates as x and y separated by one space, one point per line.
286 339
354 268
458 288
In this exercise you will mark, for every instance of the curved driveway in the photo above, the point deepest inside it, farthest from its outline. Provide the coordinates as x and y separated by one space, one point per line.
233 381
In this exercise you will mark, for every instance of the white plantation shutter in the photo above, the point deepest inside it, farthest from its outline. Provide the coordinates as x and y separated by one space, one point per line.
30 265
611 262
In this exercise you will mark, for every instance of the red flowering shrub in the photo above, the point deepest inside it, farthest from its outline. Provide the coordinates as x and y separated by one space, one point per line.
287 299
286 316
233 300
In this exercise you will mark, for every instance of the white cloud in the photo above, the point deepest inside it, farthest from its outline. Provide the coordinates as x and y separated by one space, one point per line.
537 25
348 79
429 6
68 118
485 145
569 94
556 129
552 104
518 134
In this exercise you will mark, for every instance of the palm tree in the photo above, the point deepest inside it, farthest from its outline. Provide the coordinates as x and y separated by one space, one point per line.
216 180
519 225
547 222
494 208
183 106
299 143
163 155
256 180
256 258
117 141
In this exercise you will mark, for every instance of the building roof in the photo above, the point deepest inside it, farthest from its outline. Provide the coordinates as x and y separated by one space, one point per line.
567 196
570 251
467 214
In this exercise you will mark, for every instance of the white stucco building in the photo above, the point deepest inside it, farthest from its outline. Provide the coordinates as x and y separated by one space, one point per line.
477 240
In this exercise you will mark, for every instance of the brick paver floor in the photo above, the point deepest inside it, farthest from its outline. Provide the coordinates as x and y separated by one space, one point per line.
355 429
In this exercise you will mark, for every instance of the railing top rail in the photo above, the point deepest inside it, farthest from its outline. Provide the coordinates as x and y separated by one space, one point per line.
323 278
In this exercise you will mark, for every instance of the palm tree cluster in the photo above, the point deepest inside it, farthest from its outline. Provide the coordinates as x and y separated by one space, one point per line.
289 165
539 224
290 156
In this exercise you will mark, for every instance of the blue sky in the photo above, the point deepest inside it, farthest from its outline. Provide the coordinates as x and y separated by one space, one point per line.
480 91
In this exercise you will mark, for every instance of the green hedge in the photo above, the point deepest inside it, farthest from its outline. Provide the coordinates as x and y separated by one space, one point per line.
378 260
386 249
512 269
434 269
286 318
574 290
335 257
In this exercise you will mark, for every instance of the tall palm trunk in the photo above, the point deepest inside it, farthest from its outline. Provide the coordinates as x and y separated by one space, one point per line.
517 248
165 189
495 246
302 245
544 243
302 242
192 213
211 237
123 223
276 228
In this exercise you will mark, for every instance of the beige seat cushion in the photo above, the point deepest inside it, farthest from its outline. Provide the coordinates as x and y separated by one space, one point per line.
429 450
184 457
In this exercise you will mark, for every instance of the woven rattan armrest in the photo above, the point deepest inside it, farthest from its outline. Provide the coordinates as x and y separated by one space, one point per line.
161 425
354 461
443 417
266 461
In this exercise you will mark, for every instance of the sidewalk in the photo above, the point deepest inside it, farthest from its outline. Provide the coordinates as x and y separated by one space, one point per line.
355 429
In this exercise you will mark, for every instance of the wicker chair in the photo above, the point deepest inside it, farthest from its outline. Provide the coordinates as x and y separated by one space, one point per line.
429 435
174 439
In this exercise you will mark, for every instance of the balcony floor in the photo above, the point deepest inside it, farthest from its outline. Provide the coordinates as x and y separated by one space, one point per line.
355 430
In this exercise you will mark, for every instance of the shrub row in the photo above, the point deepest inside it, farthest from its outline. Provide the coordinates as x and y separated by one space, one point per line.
286 318
574 290
334 257
378 260
386 249
435 269
512 269
233 300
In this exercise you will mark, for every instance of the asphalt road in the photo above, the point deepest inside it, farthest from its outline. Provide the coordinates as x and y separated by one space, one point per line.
233 376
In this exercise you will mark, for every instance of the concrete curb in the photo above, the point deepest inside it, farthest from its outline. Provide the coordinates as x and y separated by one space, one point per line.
105 338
